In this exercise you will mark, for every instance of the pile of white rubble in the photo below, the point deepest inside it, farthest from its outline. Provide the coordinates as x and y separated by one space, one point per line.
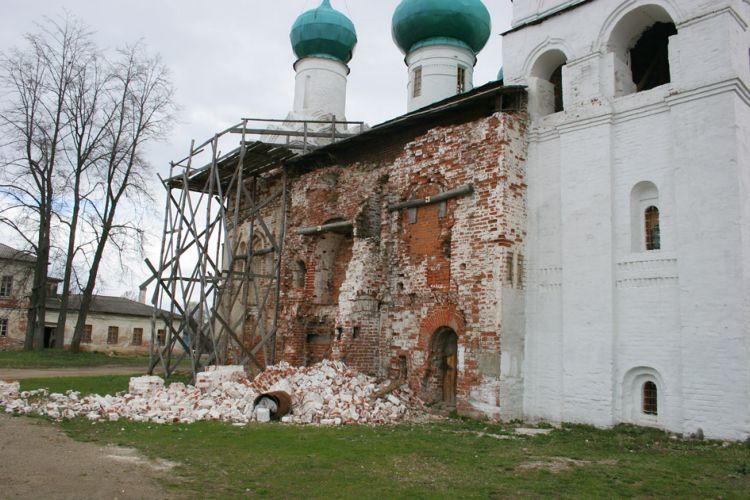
328 393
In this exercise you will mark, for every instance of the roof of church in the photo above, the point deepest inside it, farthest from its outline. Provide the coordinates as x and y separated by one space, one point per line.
418 23
324 32
9 253
480 101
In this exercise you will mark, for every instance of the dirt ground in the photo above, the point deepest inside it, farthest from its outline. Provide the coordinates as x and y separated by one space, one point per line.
95 371
40 461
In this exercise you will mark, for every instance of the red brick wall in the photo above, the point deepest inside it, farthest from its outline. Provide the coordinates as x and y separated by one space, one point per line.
395 283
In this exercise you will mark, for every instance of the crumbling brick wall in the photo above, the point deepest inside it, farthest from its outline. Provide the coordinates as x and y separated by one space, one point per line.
376 294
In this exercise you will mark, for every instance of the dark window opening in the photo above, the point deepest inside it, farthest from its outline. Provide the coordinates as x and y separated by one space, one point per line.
650 57
355 332
417 83
87 332
653 233
113 334
161 337
137 336
650 399
461 80
557 81
3 327
6 286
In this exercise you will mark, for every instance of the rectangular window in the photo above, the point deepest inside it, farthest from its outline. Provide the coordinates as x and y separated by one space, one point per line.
112 335
3 327
461 80
417 83
87 331
6 286
137 336
161 337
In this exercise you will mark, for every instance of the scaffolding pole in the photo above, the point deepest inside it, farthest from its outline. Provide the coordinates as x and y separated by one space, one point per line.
216 300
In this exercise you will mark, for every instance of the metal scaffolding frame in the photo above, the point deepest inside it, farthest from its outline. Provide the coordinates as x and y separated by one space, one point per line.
207 287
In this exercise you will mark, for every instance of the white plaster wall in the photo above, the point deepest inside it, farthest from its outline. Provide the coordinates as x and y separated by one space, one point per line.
439 65
529 10
680 314
511 360
100 328
543 392
743 160
320 88
713 327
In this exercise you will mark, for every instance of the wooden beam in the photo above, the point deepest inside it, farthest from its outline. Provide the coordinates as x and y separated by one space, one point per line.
431 200
334 226
292 133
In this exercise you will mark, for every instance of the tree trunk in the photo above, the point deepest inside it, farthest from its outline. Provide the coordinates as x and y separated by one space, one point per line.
62 319
38 308
88 292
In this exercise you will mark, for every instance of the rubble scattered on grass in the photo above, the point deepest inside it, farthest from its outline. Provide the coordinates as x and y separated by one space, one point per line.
328 393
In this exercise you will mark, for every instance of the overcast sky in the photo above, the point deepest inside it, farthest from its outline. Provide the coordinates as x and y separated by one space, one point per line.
231 59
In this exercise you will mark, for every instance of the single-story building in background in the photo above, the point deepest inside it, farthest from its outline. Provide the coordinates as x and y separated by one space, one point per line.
114 324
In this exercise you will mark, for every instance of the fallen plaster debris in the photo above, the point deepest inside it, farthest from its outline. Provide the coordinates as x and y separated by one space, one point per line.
328 393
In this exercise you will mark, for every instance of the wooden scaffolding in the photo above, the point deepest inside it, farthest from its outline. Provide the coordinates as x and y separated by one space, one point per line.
211 303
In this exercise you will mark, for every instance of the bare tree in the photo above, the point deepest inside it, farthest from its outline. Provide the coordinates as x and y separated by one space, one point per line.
141 100
35 85
88 126
73 169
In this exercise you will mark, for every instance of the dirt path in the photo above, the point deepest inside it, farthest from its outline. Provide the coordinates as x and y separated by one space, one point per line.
40 461
24 373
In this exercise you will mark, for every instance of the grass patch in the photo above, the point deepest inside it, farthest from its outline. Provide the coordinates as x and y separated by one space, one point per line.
55 358
458 458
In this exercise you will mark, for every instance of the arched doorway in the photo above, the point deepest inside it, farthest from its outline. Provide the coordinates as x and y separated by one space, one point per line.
444 357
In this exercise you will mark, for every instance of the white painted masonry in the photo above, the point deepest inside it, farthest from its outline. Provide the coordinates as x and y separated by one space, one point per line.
320 88
439 66
603 315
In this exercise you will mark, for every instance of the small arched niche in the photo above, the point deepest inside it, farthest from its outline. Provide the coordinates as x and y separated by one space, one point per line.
643 396
547 82
261 270
645 213
299 274
640 45
240 257
333 252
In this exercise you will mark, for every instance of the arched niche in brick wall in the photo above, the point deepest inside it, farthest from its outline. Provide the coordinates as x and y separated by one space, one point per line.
439 320
332 254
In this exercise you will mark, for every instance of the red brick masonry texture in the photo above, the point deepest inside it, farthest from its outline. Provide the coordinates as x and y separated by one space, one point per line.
377 296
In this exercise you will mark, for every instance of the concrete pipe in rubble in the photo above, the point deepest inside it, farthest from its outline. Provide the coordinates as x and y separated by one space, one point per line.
279 403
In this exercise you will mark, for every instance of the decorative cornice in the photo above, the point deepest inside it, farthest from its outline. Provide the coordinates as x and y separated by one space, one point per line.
715 13
541 133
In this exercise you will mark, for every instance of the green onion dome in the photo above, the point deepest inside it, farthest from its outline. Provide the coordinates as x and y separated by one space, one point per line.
463 23
324 32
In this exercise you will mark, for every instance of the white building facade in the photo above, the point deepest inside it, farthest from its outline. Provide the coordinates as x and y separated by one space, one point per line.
638 232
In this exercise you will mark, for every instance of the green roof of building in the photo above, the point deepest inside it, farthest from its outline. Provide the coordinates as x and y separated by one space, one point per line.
463 23
324 32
